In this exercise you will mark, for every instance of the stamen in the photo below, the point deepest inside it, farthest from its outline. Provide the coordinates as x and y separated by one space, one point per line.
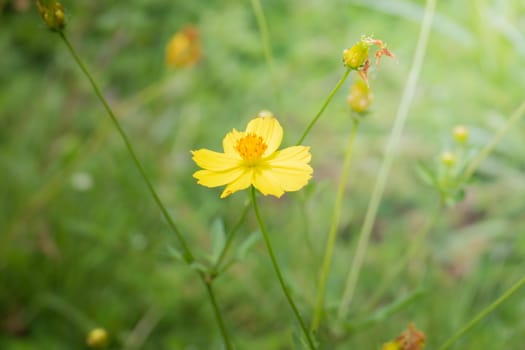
251 147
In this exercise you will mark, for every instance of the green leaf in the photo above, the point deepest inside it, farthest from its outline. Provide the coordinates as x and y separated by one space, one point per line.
426 174
197 266
384 312
176 254
245 246
218 239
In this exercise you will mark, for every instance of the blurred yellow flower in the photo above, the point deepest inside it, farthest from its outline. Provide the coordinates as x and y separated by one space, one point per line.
97 338
448 159
460 134
183 49
251 158
391 345
360 96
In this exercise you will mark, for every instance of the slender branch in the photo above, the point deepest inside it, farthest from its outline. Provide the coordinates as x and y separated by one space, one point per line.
231 235
325 104
332 234
483 313
217 312
188 255
391 149
187 252
278 271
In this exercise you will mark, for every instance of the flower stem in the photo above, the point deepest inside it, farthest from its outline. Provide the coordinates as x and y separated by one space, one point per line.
229 240
473 166
325 104
332 234
267 46
483 313
391 149
188 255
187 252
217 312
278 271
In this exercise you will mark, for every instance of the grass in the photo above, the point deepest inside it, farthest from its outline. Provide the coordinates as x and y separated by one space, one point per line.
76 256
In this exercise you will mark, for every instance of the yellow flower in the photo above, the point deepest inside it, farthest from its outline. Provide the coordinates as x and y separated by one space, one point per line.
251 158
183 49
97 338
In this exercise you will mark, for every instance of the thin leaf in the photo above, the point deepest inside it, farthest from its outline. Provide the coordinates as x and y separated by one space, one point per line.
218 239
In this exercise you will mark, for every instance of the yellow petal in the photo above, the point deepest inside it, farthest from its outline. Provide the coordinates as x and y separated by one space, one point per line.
217 178
266 183
289 179
215 161
269 129
242 182
291 157
287 170
230 141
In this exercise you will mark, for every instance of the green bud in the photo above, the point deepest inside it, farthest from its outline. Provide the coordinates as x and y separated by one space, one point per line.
356 56
52 12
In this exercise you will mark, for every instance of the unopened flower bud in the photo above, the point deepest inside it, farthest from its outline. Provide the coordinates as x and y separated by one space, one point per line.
97 338
356 56
52 12
460 134
360 96
448 159
265 114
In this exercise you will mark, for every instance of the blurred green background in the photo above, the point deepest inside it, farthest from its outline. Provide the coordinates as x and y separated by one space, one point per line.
82 244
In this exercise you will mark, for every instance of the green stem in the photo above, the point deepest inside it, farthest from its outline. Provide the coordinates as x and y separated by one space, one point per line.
483 313
187 252
391 149
217 312
188 255
267 46
484 153
332 234
278 271
325 104
229 240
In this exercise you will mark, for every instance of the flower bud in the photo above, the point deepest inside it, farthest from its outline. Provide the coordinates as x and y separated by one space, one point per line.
360 96
52 12
460 134
356 56
183 49
265 114
448 159
97 338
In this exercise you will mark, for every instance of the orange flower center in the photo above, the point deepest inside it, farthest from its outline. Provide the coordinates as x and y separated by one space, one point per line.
251 147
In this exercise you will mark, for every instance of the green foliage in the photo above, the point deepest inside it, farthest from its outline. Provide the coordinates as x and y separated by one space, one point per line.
83 245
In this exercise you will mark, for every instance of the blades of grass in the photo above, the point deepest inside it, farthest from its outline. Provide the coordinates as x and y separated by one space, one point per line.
483 314
390 150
